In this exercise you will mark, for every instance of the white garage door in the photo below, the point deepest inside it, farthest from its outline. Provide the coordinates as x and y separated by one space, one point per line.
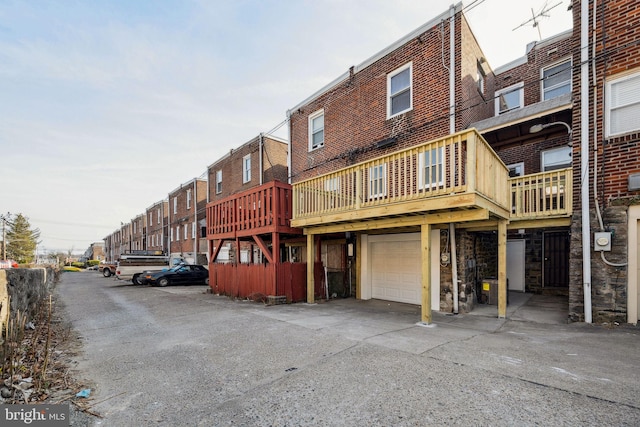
396 270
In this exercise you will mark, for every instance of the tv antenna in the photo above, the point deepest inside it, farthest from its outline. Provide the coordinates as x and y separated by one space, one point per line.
535 17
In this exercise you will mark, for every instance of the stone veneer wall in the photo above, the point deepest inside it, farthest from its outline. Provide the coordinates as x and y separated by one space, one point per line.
608 283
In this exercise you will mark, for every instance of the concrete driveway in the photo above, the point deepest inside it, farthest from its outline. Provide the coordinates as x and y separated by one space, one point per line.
180 356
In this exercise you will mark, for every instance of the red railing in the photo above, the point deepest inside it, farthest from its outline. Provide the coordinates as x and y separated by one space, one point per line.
263 209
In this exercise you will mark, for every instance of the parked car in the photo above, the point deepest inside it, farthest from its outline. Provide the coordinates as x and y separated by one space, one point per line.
183 274
8 263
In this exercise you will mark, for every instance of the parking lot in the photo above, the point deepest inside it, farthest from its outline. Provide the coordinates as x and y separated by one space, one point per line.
182 356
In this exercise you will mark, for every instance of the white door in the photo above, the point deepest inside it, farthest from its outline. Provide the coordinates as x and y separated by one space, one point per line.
396 271
515 265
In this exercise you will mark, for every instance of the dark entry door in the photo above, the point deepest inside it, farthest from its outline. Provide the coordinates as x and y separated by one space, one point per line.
556 260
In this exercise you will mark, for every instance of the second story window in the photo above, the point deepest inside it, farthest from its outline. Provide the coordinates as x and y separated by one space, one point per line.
158 217
188 199
193 230
556 80
377 181
316 130
175 205
219 182
186 231
622 105
177 233
399 91
509 98
150 218
246 168
480 78
556 158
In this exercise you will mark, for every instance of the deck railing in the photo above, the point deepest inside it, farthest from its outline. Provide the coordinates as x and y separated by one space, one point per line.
542 194
454 165
263 207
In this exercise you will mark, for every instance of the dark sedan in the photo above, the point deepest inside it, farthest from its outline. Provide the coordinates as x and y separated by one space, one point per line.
183 274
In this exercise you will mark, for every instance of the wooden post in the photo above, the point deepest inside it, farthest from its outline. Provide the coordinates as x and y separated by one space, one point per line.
425 244
311 260
502 268
358 266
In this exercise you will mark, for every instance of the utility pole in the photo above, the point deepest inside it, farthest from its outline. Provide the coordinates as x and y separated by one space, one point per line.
4 219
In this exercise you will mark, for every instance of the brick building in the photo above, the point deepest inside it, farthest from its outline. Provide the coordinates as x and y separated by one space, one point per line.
187 220
157 227
139 233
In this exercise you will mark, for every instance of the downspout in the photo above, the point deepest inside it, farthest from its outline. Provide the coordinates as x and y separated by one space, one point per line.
584 158
261 145
452 69
452 129
195 221
289 146
454 267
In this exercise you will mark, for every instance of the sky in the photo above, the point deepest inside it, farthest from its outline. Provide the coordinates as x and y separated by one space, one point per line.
107 106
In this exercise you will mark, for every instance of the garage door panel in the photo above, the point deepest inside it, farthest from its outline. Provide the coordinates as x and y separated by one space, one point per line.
396 271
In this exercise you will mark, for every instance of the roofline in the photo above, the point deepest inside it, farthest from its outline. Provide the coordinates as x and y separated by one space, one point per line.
357 68
157 203
183 185
531 46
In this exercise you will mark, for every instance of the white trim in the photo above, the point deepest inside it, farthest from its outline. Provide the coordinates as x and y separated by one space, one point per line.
219 181
513 88
246 171
311 118
390 96
633 105
422 166
516 166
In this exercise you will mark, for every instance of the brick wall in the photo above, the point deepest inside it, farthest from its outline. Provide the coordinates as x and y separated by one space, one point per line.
274 166
157 228
185 214
355 110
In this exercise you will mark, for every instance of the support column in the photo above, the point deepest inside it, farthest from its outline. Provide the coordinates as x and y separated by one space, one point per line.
502 268
425 245
311 259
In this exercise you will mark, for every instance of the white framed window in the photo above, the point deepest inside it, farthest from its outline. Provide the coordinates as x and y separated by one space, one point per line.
246 168
400 90
316 130
480 78
332 184
377 181
431 163
194 229
171 234
509 98
189 199
134 227
556 158
177 233
186 231
175 205
556 80
516 169
622 102
219 181
150 218
158 217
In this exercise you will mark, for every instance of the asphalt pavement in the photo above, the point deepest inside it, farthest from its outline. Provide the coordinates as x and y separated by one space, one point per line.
180 356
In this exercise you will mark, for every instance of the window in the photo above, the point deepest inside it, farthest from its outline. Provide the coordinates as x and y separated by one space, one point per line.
186 231
430 173
188 199
316 130
556 80
557 158
622 102
377 181
332 184
246 168
134 227
171 234
150 218
399 91
480 78
175 205
177 233
219 182
193 230
158 217
509 98
516 169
